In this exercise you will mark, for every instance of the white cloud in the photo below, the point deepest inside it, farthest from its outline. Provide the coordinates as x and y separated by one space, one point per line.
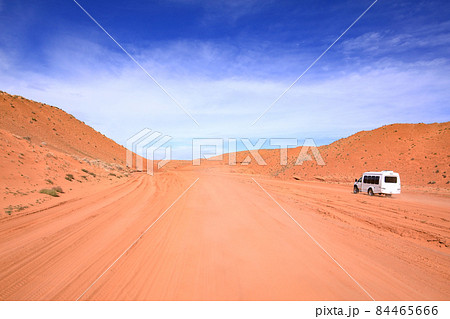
226 91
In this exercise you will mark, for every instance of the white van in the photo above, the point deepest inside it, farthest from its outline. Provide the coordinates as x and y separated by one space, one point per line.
384 182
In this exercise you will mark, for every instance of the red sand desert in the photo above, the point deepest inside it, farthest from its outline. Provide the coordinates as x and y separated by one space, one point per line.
225 238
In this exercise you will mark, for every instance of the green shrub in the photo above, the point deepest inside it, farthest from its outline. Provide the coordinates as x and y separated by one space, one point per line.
50 192
90 173
69 177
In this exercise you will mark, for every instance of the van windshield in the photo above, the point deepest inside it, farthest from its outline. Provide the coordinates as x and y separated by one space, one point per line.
390 179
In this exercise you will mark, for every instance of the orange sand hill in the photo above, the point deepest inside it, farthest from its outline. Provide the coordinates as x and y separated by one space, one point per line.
44 147
419 152
58 130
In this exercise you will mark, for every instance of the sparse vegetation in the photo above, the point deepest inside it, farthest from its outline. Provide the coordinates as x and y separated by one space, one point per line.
90 173
51 192
49 181
10 209
69 177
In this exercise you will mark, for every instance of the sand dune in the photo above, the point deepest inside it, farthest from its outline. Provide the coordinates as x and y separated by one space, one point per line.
419 152
58 130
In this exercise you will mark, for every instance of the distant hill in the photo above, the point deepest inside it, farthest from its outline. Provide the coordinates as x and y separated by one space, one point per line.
419 152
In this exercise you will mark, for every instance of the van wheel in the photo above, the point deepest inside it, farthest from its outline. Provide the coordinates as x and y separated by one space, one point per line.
370 192
355 190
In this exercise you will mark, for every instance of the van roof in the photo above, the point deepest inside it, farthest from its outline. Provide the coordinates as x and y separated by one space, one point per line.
380 173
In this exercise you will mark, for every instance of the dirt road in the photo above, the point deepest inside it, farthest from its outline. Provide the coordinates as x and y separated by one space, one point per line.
226 239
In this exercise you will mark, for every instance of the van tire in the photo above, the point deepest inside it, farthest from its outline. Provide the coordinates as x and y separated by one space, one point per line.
355 190
370 192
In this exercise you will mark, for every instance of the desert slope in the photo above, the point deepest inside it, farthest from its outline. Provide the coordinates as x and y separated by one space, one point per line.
44 147
419 152
58 130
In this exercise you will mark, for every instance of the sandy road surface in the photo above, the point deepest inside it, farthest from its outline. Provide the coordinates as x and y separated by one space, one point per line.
226 239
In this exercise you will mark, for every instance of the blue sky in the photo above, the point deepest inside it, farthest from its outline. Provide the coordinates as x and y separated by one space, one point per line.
227 61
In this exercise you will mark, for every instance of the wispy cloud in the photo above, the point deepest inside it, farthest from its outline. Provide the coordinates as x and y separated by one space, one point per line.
229 11
380 43
365 82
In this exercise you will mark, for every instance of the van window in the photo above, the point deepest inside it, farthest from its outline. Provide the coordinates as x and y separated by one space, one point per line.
371 180
390 179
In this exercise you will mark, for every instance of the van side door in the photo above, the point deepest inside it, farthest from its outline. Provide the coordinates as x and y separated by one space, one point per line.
377 186
364 184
